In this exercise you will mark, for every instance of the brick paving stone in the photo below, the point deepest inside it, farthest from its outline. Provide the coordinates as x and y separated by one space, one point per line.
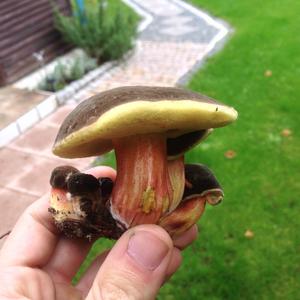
25 172
36 179
28 172
12 204
38 142
39 139
13 165
12 105
173 59
57 118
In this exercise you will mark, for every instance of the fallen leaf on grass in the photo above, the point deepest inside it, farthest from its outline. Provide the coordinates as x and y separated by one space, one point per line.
249 234
268 73
286 132
230 154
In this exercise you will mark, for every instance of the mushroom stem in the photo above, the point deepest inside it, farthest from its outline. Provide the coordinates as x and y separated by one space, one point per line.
177 177
184 216
143 190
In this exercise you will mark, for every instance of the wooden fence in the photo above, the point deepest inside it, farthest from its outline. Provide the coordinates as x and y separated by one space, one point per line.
26 27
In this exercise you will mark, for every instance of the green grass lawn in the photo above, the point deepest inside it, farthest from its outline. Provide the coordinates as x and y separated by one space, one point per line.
262 182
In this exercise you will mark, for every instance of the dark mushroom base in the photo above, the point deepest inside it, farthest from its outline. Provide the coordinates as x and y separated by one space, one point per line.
81 204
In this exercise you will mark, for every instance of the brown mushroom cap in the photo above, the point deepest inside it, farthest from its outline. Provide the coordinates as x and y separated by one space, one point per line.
89 129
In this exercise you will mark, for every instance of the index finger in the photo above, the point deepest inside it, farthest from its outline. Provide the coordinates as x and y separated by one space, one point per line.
34 238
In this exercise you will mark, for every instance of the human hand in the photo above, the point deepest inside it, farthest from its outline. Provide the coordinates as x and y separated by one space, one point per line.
36 262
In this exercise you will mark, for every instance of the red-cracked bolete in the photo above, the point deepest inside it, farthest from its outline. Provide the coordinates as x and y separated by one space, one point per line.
150 129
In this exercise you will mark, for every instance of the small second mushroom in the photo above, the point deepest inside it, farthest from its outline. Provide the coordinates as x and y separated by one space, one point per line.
150 129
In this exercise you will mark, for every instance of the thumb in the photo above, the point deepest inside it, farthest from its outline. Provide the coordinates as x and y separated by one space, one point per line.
136 267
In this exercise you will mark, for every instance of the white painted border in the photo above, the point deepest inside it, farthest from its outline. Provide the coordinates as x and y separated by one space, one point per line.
9 133
198 12
27 120
147 17
223 31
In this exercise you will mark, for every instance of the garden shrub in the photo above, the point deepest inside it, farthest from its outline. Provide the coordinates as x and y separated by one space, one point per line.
105 30
67 71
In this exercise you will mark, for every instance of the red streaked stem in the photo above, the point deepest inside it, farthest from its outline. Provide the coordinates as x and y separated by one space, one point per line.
177 177
142 191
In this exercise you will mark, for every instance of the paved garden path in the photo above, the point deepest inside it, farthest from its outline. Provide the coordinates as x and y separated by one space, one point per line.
173 40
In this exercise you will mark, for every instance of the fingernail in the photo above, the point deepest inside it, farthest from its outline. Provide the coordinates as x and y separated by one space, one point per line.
147 250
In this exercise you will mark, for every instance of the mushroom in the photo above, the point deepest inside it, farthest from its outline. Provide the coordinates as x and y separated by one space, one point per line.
150 129
201 187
